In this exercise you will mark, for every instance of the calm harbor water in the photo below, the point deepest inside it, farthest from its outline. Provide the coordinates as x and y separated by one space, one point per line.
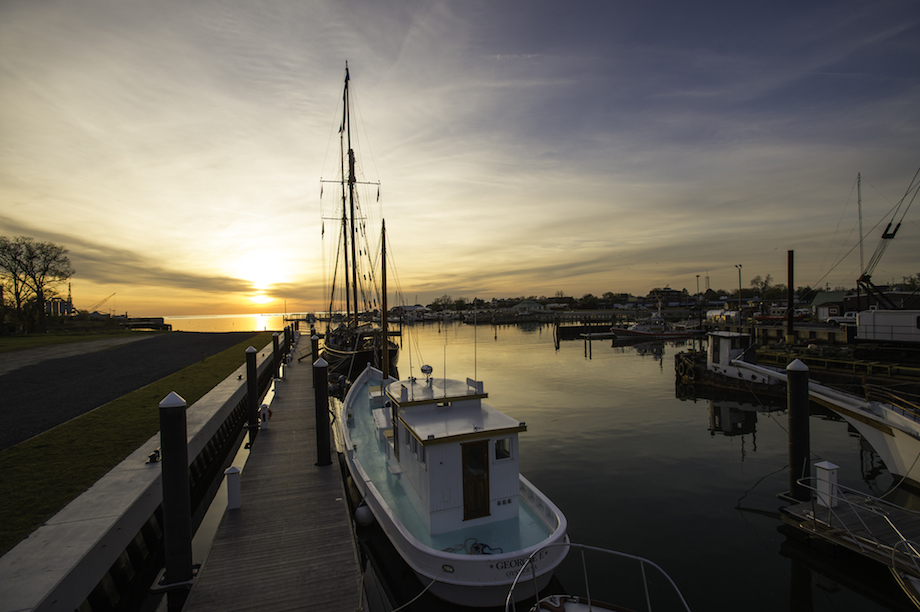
689 484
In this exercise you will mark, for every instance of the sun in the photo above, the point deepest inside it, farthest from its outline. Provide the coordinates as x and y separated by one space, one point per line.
260 298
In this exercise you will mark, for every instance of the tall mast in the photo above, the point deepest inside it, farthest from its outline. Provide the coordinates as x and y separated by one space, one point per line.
344 201
862 266
385 357
351 199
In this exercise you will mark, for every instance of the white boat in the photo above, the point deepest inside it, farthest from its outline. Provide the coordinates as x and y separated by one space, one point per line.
438 468
891 428
655 327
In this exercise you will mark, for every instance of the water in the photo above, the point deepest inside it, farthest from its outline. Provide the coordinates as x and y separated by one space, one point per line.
638 470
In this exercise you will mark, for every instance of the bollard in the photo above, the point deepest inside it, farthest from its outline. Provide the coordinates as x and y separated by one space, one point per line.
321 396
264 414
799 434
233 488
177 513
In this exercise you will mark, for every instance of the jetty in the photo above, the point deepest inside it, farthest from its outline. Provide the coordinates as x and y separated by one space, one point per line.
290 545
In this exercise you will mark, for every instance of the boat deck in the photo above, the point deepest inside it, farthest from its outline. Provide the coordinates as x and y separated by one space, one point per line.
508 535
290 546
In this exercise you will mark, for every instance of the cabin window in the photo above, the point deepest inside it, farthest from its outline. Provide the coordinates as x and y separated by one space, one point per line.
715 348
502 449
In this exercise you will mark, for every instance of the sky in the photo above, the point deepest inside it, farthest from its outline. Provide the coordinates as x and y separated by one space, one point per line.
177 148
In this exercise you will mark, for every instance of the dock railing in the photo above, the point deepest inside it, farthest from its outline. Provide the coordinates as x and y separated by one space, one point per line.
869 523
527 574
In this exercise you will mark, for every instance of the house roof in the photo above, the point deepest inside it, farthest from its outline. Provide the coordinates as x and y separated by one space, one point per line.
823 297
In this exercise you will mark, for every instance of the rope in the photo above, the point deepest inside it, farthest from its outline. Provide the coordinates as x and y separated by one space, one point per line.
411 601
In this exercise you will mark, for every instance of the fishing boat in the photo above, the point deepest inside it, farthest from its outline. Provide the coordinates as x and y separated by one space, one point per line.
356 341
438 469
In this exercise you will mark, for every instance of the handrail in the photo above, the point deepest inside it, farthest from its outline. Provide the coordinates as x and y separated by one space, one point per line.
859 502
511 605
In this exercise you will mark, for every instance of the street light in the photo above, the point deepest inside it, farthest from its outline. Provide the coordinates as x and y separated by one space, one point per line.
739 293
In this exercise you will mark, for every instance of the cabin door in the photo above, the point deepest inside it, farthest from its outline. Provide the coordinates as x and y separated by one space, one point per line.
475 479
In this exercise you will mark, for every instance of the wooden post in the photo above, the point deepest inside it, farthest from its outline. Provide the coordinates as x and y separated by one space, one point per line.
252 393
177 512
790 297
321 397
276 355
799 432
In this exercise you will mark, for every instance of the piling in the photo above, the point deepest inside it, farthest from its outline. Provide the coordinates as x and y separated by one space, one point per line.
252 392
321 395
177 513
790 297
276 355
799 433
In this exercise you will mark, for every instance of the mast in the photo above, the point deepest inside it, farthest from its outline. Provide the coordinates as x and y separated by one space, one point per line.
862 266
385 357
351 200
344 201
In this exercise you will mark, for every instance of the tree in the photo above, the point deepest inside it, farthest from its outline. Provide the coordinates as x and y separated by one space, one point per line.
31 269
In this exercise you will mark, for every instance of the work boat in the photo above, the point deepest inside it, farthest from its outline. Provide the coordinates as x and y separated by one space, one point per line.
438 468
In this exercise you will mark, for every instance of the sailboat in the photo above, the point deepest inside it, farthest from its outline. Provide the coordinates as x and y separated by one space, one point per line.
355 341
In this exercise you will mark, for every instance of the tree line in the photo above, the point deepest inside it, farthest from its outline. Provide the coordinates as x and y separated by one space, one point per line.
29 272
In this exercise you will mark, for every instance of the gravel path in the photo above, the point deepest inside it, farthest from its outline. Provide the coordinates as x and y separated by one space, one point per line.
44 387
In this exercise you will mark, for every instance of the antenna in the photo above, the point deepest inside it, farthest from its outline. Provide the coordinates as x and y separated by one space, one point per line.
475 343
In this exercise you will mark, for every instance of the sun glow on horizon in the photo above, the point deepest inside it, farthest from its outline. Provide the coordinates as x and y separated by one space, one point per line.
261 298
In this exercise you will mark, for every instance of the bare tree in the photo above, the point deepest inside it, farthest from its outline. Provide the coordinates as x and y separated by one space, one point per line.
31 269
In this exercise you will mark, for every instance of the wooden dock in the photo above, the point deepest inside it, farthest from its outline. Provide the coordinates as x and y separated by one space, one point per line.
877 530
291 545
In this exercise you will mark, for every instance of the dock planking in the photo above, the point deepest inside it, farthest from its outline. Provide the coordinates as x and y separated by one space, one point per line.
290 545
861 526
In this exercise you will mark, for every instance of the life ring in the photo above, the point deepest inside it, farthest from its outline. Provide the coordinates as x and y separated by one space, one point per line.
691 374
682 367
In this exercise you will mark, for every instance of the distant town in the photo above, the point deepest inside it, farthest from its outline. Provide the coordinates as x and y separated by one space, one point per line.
760 295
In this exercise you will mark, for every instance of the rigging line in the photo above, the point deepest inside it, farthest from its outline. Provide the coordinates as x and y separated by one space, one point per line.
853 248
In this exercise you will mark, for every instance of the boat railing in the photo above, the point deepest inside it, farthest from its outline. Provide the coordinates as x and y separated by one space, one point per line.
527 574
897 402
869 522
538 502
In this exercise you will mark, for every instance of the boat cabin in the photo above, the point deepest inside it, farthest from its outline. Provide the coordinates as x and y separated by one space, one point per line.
459 454
724 346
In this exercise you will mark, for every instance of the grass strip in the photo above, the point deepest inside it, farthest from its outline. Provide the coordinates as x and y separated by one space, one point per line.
40 476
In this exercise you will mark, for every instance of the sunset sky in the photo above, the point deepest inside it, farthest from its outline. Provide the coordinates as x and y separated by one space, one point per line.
523 148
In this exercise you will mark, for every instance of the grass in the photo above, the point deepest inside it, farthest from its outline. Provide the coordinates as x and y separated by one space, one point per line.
9 344
40 476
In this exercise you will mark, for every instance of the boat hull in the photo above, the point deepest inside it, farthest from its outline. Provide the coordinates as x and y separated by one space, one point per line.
899 450
475 580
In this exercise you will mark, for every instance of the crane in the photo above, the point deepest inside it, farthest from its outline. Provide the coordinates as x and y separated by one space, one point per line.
96 306
865 279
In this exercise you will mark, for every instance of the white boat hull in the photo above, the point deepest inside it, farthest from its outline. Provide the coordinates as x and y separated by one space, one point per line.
481 580
469 580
